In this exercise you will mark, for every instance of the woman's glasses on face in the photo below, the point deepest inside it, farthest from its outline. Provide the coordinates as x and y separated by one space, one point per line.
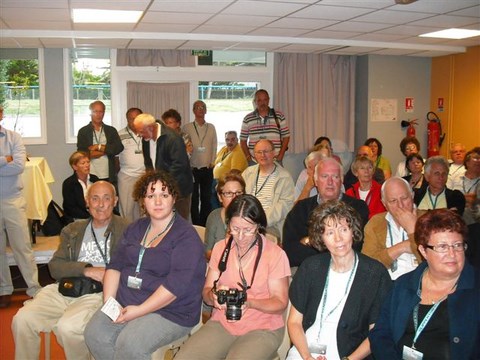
444 248
245 232
230 194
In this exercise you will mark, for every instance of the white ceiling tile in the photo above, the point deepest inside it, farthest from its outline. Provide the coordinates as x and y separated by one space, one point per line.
176 28
27 4
109 4
35 14
207 45
392 17
470 11
378 37
355 26
369 4
267 31
248 7
174 18
240 20
104 27
299 23
446 21
195 6
330 12
325 34
39 25
435 6
220 29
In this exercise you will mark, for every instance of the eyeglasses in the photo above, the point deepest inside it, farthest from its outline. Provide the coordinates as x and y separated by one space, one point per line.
245 232
200 107
229 194
443 248
474 158
410 148
262 152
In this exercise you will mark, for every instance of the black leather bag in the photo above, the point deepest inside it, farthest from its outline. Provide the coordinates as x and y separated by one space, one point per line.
55 221
77 286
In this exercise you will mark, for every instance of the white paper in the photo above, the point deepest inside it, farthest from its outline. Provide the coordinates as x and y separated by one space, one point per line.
112 308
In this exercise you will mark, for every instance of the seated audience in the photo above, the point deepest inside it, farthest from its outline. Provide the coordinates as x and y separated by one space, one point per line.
457 168
433 312
470 186
366 188
86 246
156 275
328 181
324 142
228 188
408 145
336 296
271 184
247 285
389 236
350 178
305 185
436 195
380 161
416 179
74 188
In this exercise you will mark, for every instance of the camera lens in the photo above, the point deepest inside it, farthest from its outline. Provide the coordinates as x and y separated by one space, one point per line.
234 312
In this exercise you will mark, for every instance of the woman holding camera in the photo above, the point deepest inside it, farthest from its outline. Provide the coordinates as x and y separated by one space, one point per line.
336 295
247 284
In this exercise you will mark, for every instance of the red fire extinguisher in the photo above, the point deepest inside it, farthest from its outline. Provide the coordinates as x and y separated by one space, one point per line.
434 133
410 126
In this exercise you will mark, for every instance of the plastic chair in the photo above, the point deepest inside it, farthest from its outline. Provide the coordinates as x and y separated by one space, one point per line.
200 231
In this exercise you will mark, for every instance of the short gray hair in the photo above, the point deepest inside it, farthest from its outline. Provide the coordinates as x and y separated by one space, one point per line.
435 160
397 179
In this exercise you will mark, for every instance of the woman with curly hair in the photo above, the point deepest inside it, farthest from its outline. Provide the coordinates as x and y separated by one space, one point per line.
156 274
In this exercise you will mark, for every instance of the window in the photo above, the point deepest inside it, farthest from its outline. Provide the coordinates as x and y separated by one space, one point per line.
88 80
227 104
21 93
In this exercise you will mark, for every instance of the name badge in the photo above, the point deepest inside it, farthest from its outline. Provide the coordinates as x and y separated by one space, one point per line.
411 354
134 282
319 349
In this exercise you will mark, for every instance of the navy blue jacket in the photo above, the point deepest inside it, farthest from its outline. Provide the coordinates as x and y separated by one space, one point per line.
463 309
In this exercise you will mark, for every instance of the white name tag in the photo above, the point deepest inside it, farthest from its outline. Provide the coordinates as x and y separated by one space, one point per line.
411 354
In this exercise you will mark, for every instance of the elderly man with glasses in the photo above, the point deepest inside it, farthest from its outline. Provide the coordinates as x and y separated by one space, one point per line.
271 184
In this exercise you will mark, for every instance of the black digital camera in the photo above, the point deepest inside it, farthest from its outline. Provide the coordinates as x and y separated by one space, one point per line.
234 299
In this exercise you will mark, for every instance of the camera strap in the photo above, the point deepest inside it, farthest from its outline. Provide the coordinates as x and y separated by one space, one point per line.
222 264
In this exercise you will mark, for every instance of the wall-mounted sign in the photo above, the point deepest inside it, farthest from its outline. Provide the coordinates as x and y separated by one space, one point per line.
409 104
440 105
383 110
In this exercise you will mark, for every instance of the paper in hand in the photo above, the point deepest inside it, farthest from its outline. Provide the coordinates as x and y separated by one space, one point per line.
112 308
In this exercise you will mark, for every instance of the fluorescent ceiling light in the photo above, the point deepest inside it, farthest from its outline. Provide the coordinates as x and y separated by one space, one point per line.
105 16
452 34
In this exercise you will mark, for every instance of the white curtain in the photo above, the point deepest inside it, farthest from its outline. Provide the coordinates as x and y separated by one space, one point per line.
156 98
140 57
317 95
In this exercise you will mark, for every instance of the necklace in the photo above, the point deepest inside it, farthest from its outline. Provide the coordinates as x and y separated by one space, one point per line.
256 181
169 225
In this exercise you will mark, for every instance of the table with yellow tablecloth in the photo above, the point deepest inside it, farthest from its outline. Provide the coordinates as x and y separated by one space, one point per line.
36 177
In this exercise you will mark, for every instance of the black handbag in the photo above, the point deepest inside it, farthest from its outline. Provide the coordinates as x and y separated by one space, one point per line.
77 286
55 220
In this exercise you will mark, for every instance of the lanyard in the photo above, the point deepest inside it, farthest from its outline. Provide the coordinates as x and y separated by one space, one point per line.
324 297
144 247
103 253
471 187
133 138
198 135
256 181
426 319
240 268
99 136
225 154
391 234
434 204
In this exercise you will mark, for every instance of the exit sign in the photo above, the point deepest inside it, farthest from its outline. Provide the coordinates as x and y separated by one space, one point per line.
201 53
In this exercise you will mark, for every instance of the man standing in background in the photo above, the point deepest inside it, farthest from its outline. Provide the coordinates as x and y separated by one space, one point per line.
102 142
204 139
264 123
131 167
13 217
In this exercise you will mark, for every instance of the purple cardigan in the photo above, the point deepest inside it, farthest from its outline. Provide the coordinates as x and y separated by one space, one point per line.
177 263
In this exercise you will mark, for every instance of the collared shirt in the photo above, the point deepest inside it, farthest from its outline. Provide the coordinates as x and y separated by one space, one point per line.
204 140
431 202
11 183
153 144
395 235
131 158
455 174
